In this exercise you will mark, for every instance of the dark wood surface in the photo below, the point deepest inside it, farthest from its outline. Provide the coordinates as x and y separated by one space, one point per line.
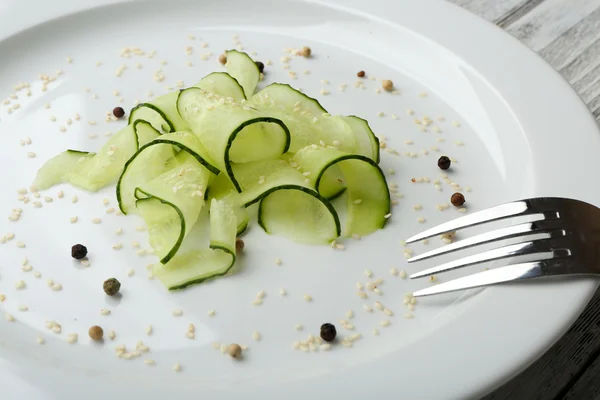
566 33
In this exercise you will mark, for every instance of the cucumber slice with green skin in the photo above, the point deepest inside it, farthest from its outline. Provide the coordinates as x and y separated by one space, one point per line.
167 104
300 214
154 115
96 171
232 133
368 193
286 98
240 66
261 179
222 84
60 168
171 204
199 265
144 132
229 194
367 142
154 159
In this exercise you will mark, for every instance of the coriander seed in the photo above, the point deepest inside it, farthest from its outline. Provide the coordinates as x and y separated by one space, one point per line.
239 245
78 251
111 286
305 52
96 332
235 350
387 85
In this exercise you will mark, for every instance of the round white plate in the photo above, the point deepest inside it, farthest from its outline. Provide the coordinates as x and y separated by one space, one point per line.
524 133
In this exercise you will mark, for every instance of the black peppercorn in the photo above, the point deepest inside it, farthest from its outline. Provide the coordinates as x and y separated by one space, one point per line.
457 199
111 286
260 65
118 112
328 332
444 162
78 251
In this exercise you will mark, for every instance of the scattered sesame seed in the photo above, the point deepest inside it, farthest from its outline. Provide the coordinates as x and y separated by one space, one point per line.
72 338
256 336
104 311
57 287
177 367
298 327
149 362
9 317
23 308
402 274
212 313
177 312
20 285
278 261
282 292
2 297
308 298
362 294
368 273
96 220
385 323
40 340
367 308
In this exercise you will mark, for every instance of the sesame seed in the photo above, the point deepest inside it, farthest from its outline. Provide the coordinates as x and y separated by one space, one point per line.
74 199
368 273
149 362
57 287
282 292
104 311
367 308
212 313
117 246
40 340
298 327
385 323
96 220
131 272
9 317
23 308
84 262
71 338
402 274
177 367
408 315
119 231
2 297
362 294
256 336
20 285
278 261
177 312
308 298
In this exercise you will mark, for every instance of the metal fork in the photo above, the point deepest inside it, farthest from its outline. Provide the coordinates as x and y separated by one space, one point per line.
570 239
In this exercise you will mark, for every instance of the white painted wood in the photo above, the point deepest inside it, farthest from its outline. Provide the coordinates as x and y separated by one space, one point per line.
550 19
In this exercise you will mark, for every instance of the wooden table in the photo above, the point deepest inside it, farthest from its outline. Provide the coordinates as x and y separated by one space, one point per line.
566 33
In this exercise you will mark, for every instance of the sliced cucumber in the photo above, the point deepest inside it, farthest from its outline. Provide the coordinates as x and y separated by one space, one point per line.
222 84
154 115
232 133
171 202
96 171
144 132
199 265
154 159
287 99
367 143
300 214
368 193
167 104
61 168
240 66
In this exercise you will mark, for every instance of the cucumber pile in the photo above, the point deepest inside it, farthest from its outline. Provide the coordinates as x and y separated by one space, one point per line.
222 143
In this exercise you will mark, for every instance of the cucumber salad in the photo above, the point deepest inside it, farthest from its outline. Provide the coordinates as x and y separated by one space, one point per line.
200 157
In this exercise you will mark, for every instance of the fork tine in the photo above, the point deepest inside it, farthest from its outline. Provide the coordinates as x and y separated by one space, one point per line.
512 250
491 214
509 273
498 234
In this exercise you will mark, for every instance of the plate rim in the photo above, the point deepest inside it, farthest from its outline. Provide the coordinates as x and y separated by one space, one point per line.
439 25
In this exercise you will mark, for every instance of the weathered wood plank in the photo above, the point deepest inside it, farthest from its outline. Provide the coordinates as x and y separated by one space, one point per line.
517 13
491 10
588 385
549 20
552 375
567 47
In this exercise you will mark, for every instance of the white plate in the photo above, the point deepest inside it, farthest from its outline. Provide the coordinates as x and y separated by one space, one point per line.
525 133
